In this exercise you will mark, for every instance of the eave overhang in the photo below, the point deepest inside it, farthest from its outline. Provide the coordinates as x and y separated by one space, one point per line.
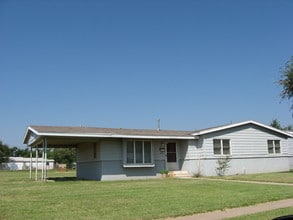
33 137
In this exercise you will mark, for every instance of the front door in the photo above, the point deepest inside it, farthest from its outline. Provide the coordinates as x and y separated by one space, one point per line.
172 159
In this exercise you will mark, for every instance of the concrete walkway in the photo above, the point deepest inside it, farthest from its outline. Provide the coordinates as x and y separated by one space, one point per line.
230 213
234 212
248 181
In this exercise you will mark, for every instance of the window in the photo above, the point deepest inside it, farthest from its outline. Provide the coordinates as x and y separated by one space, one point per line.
221 146
217 146
274 146
138 152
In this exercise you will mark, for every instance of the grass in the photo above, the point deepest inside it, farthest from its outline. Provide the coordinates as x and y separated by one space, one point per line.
282 177
266 215
21 198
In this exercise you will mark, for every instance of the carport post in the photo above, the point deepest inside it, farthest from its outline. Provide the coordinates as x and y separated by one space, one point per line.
31 155
46 147
37 164
43 156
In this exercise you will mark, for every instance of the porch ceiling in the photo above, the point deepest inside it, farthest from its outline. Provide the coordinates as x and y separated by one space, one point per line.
64 142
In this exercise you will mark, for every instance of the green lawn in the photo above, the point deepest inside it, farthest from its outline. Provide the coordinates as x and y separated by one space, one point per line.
266 215
283 177
21 198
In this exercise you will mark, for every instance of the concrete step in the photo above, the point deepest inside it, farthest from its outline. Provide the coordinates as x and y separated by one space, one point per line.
180 174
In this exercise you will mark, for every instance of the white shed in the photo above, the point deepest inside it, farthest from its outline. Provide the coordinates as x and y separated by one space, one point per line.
22 163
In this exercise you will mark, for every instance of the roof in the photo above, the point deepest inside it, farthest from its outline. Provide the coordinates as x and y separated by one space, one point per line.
34 133
107 131
62 135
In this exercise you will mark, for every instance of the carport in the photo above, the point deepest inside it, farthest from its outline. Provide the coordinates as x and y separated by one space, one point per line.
41 138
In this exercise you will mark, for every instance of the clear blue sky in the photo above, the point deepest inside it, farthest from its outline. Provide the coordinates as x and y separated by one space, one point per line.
193 64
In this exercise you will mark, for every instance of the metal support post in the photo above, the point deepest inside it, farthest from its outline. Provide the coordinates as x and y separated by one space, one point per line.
37 164
31 155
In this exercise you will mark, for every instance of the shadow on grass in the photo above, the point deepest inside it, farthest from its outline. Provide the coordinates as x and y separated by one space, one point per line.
62 179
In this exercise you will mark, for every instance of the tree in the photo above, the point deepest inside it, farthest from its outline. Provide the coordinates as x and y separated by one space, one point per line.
65 155
276 124
4 153
286 81
288 128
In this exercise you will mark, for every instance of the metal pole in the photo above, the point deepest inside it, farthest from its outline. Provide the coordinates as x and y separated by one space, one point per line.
46 147
37 164
31 155
43 156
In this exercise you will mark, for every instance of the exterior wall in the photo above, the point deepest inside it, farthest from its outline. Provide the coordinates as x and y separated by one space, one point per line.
207 167
112 162
194 154
108 164
248 140
290 151
248 148
88 165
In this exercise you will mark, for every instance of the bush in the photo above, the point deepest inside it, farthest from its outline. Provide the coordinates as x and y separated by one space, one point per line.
223 165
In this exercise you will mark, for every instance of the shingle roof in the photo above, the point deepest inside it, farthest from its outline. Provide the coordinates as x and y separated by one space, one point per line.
118 131
34 133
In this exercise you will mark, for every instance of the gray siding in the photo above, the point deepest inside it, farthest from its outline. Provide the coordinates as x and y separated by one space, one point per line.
111 150
290 152
112 163
248 140
108 164
248 147
249 152
88 167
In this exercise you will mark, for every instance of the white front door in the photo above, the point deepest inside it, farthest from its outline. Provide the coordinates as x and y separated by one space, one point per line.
172 160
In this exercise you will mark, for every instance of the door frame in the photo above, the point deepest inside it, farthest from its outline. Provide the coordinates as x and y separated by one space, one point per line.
172 166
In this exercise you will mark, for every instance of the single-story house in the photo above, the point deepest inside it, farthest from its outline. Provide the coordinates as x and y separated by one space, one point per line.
115 154
23 163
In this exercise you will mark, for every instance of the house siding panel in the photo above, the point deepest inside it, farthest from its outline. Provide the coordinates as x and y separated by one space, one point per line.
113 170
112 164
248 147
157 146
85 152
290 153
111 150
89 170
88 167
247 140
249 152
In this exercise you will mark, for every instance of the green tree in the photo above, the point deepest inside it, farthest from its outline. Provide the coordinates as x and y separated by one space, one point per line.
288 128
276 124
286 81
65 155
4 153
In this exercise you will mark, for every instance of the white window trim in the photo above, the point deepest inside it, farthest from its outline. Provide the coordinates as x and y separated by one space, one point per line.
135 165
274 146
222 147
